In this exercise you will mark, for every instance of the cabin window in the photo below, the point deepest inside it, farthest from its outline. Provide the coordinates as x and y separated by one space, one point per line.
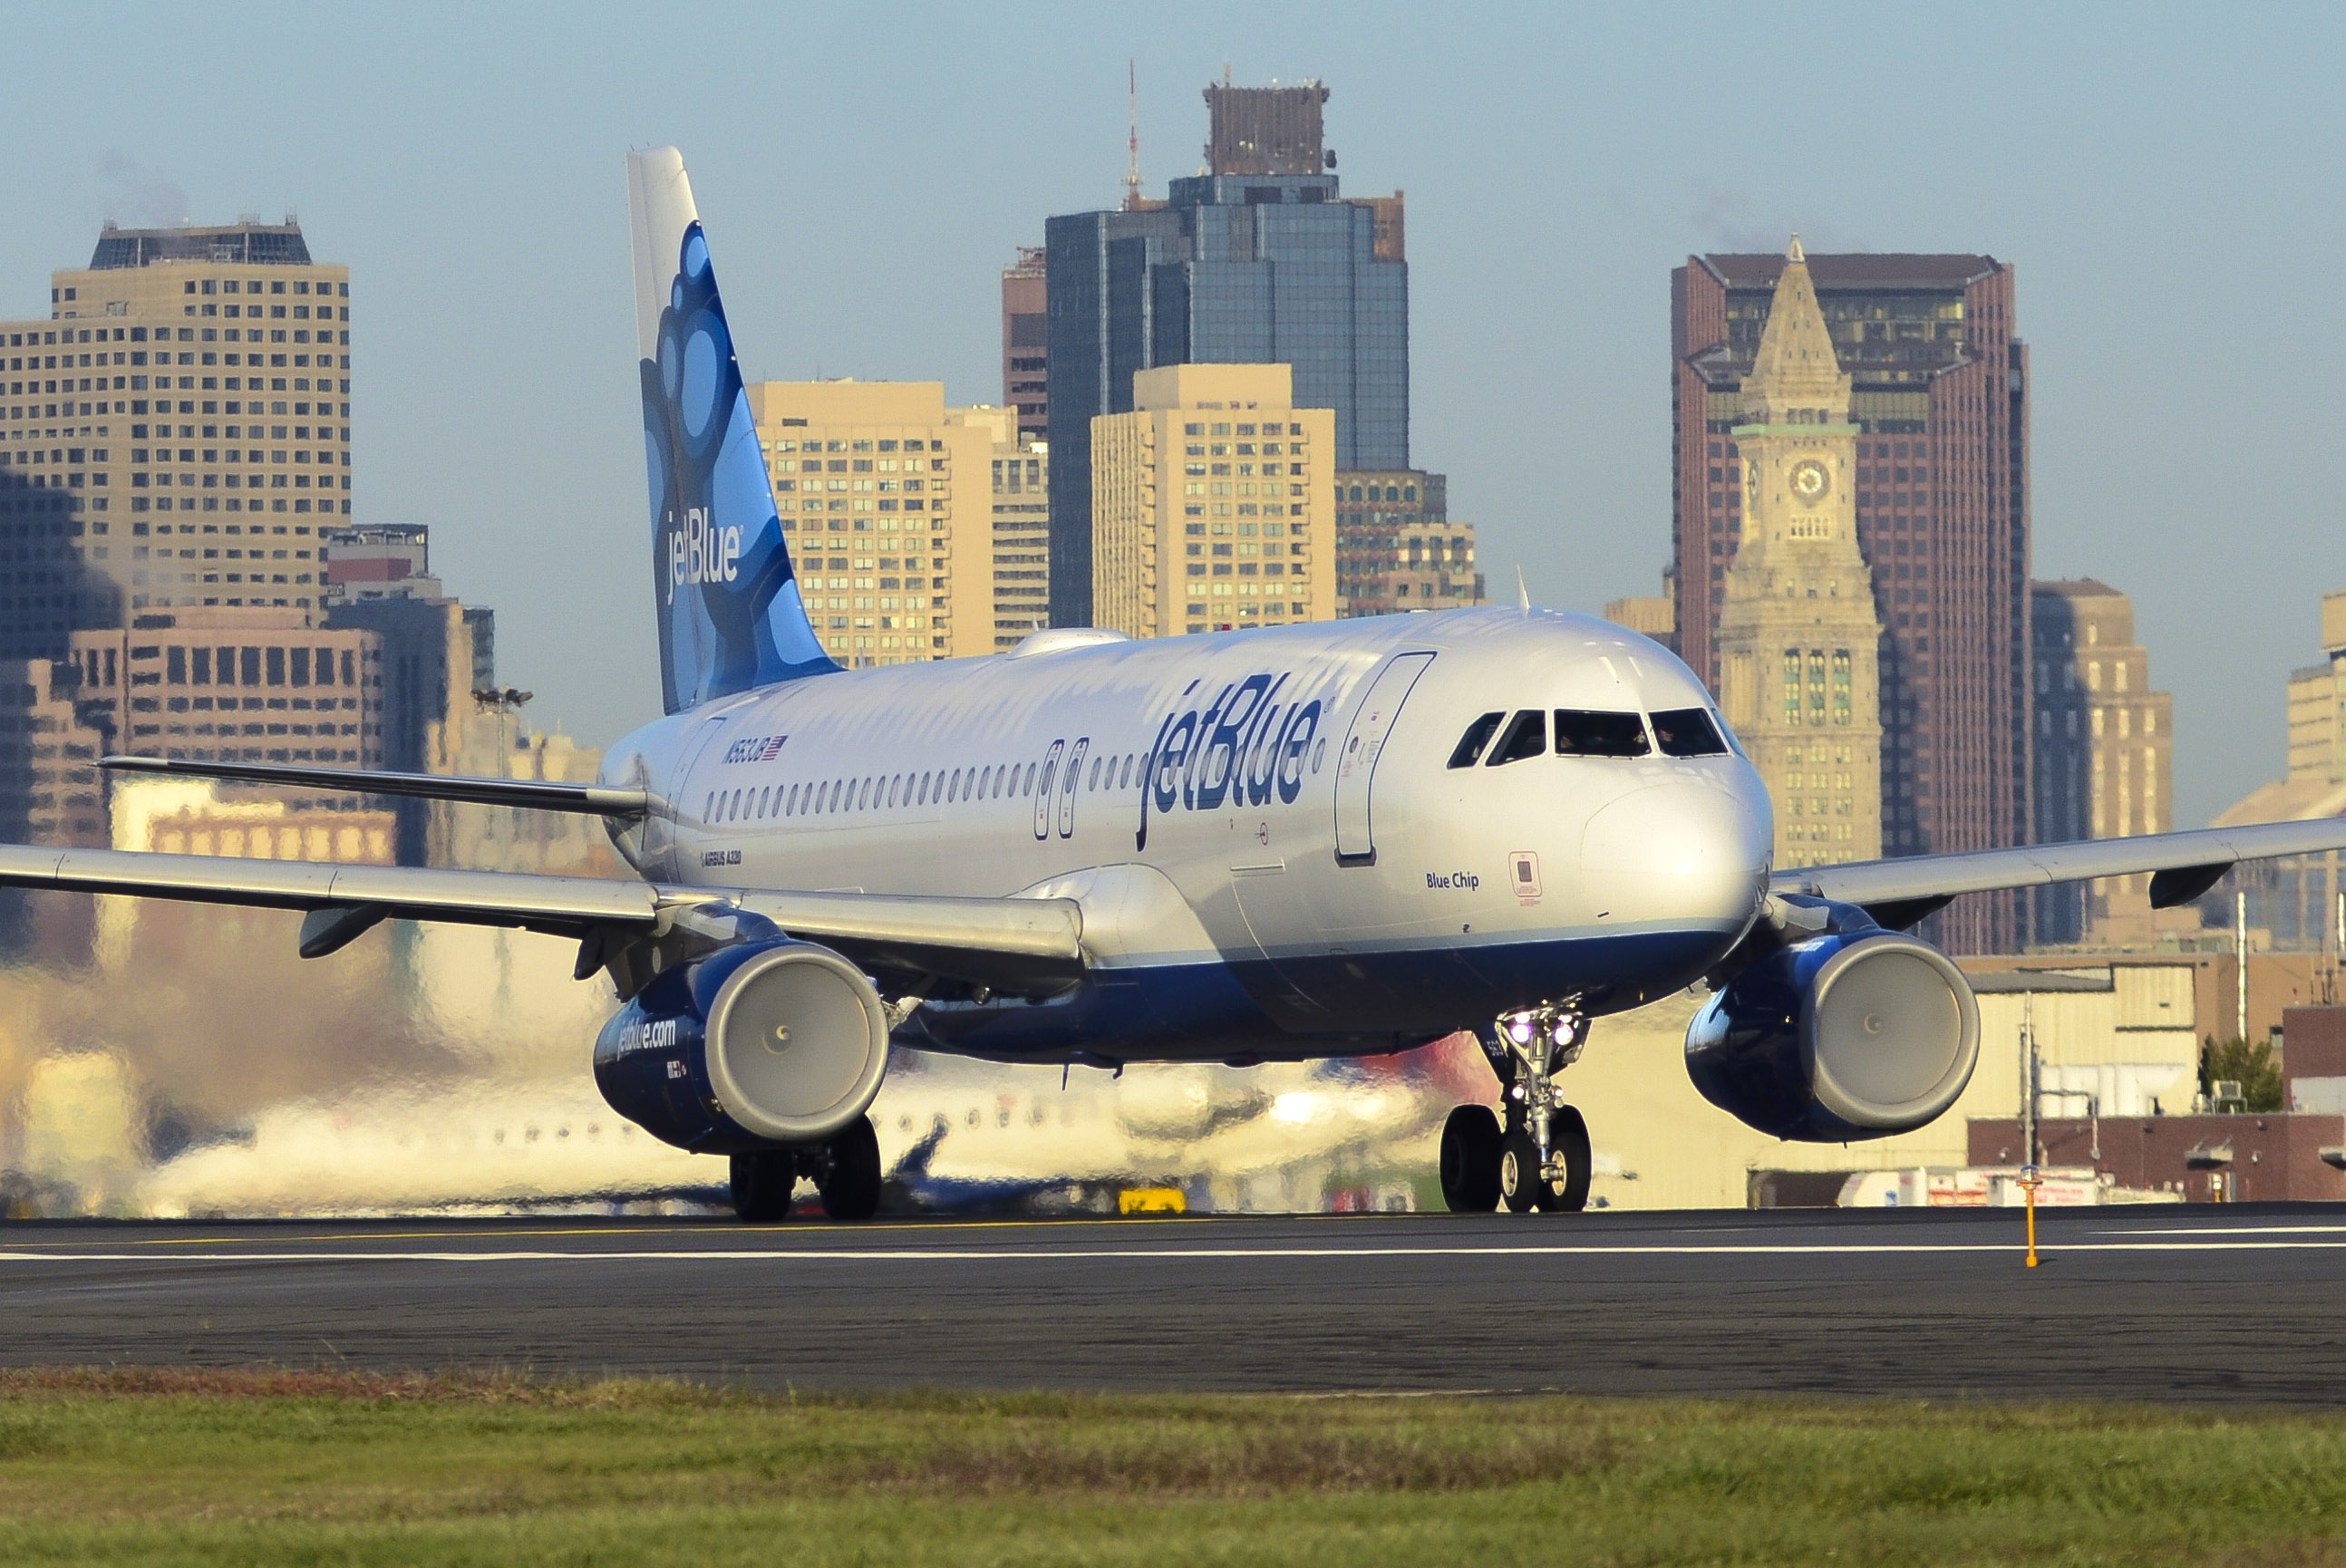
1478 735
1688 732
1580 733
1526 735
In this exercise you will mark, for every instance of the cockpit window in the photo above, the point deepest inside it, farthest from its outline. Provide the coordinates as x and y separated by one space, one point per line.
1688 732
1526 735
1580 733
1478 735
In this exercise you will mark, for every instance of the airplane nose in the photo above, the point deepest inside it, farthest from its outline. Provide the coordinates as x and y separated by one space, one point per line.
1678 852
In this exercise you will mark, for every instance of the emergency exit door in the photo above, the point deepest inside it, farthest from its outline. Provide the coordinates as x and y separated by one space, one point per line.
1356 764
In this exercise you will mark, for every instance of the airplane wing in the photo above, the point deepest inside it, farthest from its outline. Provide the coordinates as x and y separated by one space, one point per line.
1897 894
632 929
595 800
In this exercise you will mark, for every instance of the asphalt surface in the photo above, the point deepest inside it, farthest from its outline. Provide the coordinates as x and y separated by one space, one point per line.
2240 1305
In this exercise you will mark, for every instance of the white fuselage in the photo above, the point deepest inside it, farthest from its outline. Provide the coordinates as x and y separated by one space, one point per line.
1272 850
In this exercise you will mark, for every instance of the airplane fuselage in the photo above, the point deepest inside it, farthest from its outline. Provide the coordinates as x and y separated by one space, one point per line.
1274 853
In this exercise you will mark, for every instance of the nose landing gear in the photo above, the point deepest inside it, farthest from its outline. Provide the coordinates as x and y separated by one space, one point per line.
1540 1158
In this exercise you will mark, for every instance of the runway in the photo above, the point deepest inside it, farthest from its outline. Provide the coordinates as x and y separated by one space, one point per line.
2205 1305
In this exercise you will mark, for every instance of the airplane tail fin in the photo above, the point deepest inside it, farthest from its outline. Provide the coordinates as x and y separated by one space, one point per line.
729 613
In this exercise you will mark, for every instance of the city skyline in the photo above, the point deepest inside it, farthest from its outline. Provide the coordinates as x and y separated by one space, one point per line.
485 405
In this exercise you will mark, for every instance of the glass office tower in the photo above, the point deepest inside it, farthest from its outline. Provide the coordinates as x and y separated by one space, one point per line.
1232 267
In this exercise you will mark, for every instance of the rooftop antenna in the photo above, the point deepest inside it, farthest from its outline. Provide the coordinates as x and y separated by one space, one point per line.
1132 137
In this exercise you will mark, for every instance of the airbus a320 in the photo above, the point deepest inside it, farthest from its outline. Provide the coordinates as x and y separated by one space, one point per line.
1301 841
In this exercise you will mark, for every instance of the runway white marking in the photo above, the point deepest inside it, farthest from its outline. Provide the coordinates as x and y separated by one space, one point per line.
1185 1254
2232 1230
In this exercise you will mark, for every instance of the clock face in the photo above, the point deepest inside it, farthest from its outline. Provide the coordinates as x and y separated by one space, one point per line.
1809 480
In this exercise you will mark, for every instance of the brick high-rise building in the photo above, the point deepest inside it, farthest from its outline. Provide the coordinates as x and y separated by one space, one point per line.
1940 402
1026 343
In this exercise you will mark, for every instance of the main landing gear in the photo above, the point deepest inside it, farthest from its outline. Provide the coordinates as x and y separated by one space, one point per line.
845 1171
1539 1158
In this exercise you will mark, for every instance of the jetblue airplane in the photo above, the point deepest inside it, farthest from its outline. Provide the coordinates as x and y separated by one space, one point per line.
1302 841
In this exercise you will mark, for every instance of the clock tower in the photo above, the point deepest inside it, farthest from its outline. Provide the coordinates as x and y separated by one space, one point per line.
1798 637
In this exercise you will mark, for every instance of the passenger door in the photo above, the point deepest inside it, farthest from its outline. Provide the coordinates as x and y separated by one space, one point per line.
665 828
1356 764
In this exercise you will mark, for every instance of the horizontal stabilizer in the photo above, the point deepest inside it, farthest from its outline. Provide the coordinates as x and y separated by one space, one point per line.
536 794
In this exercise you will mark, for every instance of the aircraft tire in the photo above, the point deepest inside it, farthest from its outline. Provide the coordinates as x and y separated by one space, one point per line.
1567 1136
1519 1170
763 1182
1470 1160
852 1190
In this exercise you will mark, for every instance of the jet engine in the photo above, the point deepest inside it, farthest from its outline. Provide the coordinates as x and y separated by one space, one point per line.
1857 1034
758 1043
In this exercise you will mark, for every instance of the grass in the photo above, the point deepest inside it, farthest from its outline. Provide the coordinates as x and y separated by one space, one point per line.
336 1467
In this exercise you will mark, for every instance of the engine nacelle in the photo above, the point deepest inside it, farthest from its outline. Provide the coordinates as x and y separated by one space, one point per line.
760 1043
1852 1035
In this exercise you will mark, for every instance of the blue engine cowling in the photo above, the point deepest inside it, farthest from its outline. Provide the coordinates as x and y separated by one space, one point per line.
1853 1035
758 1044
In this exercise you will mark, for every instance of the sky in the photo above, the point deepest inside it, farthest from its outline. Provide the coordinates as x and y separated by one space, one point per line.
2166 181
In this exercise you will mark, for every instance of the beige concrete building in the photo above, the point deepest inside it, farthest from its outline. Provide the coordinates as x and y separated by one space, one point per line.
1797 636
189 391
892 568
2294 904
1398 548
47 747
1656 617
2104 759
1213 503
1433 568
244 684
1021 544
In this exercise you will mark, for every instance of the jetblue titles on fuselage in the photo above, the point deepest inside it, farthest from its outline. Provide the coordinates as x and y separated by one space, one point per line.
1242 747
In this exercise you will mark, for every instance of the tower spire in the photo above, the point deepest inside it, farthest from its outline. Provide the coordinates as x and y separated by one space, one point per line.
1132 137
1796 377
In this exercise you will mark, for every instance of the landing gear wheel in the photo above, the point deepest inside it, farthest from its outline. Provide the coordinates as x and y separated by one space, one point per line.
1568 1142
1470 1160
850 1188
1519 1163
762 1183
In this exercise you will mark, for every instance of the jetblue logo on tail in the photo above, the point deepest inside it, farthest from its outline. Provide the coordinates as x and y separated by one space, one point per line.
730 617
700 554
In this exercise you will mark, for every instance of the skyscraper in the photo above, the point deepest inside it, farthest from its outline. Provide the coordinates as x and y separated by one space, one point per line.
1021 544
1025 341
1258 261
1939 397
174 433
894 565
1244 535
1797 639
2104 754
